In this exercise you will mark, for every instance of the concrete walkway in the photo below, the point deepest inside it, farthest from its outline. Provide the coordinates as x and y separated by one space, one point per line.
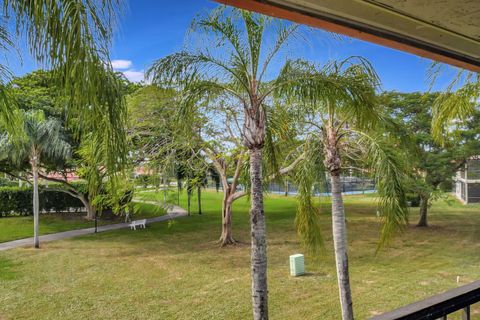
173 212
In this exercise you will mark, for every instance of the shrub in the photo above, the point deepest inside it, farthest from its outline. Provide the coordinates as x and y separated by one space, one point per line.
19 201
8 183
58 201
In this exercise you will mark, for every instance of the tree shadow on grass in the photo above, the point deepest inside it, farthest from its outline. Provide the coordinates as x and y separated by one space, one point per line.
313 274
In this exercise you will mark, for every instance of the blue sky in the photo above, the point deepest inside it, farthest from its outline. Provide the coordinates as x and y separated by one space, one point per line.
152 29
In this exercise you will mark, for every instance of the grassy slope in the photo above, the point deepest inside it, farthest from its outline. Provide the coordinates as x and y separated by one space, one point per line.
12 228
176 271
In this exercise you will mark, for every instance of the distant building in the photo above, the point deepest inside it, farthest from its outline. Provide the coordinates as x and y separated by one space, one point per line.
69 176
467 181
142 171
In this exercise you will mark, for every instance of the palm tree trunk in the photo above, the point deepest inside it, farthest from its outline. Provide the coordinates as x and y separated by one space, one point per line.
423 222
339 230
164 183
189 198
199 199
36 227
259 244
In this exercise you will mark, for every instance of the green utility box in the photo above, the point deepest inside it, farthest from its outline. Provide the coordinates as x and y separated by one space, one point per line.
297 265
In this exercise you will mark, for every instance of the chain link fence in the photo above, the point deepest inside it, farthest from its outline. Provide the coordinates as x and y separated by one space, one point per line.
350 185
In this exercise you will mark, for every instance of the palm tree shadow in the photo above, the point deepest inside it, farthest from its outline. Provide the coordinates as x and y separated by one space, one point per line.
313 274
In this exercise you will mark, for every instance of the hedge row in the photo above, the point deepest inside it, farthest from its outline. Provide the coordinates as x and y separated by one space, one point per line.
19 201
8 183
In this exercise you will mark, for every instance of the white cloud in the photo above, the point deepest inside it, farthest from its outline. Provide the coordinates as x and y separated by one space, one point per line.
134 76
121 64
126 67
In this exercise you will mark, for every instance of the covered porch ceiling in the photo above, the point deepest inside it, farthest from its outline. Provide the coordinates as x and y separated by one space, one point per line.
443 30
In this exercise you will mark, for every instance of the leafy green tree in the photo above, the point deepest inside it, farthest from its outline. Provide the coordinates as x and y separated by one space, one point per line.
151 124
433 164
70 37
340 105
153 128
464 137
44 142
39 91
203 143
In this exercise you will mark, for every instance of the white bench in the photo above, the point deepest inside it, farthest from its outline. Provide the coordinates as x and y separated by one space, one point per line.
141 223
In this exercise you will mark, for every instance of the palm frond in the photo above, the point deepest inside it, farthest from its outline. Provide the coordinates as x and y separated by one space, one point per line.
72 38
182 68
254 26
390 178
351 84
223 25
44 136
284 35
10 117
453 107
306 176
280 133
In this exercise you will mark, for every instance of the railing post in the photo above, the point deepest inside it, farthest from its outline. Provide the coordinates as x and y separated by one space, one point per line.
466 313
458 300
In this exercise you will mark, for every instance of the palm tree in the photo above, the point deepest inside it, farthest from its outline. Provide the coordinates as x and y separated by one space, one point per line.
44 142
340 107
204 143
233 62
72 38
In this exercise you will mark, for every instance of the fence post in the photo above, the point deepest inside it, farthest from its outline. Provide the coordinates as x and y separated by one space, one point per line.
466 313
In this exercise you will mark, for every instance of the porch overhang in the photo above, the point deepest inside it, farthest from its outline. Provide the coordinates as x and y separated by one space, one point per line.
443 30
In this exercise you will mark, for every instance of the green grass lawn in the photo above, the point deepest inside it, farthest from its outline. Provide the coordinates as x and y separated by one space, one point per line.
12 228
17 227
177 271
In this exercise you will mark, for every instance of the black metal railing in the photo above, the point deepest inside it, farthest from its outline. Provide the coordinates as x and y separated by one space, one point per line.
439 306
